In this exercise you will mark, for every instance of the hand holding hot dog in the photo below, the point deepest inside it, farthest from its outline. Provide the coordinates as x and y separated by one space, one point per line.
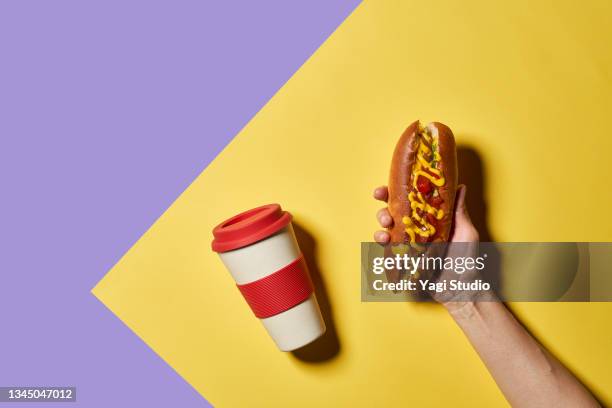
421 198
462 231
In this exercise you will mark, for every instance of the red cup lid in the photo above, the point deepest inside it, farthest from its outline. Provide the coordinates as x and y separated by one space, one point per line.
249 227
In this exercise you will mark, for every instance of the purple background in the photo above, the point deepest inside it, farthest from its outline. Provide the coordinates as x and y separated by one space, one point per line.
108 110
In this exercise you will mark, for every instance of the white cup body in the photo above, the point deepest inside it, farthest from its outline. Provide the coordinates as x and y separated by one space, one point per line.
294 327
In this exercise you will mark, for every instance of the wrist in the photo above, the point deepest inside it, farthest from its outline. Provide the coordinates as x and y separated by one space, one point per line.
467 308
459 309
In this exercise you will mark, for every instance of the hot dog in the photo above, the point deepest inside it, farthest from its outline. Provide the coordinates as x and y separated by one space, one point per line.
422 185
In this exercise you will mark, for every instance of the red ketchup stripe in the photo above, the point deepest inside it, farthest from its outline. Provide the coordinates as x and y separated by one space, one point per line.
279 291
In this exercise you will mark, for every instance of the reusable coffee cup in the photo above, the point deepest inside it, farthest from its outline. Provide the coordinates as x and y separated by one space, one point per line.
259 249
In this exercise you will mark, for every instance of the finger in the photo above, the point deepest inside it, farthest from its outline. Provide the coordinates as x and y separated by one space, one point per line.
463 229
460 207
382 237
460 196
381 193
384 218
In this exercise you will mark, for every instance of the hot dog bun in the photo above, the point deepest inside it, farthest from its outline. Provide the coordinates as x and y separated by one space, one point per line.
435 144
422 188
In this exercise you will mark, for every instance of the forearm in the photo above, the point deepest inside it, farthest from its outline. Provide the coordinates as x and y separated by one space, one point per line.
525 372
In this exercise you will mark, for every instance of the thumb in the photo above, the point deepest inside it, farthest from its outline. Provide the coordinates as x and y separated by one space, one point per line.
462 218
463 229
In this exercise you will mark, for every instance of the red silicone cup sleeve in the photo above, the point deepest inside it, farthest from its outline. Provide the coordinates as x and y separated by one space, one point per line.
279 291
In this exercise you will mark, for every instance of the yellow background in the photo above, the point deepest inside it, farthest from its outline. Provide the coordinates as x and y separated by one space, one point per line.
525 84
